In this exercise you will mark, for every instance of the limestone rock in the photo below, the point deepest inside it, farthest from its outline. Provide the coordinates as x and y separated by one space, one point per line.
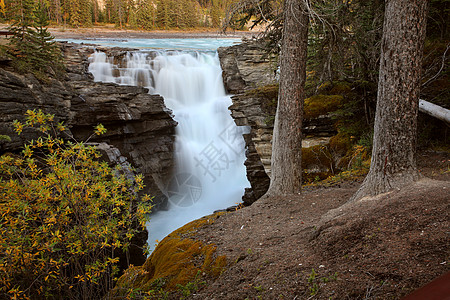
247 66
250 74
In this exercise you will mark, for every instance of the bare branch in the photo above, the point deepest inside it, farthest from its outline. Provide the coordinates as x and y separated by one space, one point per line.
440 70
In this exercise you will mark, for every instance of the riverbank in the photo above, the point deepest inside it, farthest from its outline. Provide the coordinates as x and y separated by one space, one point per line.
109 31
314 245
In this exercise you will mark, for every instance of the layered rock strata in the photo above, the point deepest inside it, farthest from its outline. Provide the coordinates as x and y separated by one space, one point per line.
138 124
245 67
250 73
140 129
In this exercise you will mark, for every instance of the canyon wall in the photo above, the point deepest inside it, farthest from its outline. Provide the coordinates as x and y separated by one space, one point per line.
250 74
140 129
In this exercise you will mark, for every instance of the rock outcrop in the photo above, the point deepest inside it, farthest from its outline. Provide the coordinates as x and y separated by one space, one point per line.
138 124
140 129
245 67
250 73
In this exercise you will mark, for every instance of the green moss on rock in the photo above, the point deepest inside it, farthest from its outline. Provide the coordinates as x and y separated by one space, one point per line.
176 261
321 105
268 97
341 143
317 156
268 91
340 88
322 161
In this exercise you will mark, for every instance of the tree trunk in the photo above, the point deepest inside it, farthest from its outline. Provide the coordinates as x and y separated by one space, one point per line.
58 12
95 7
286 174
434 110
394 145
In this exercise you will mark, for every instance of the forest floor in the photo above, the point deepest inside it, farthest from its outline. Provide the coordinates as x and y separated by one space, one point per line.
318 246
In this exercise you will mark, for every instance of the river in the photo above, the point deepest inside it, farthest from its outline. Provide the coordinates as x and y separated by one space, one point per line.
209 148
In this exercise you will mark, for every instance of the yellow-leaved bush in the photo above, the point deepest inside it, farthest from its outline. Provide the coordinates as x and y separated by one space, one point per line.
63 215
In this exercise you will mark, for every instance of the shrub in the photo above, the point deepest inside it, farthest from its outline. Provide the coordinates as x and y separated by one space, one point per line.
63 214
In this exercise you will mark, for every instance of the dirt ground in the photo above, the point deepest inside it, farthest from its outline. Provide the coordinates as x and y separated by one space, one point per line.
312 246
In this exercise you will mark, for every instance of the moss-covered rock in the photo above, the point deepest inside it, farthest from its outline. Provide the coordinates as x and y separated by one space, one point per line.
322 161
315 106
334 88
267 96
176 261
340 144
317 163
340 88
319 105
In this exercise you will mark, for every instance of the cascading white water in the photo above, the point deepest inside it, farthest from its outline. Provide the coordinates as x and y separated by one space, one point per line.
210 172
101 67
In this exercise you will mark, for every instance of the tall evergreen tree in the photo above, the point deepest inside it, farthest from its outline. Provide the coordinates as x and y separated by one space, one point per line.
31 46
163 15
215 13
191 16
57 12
21 46
286 164
145 14
395 135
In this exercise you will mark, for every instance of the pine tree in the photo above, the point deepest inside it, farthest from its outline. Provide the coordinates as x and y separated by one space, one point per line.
146 15
215 14
21 46
57 11
393 164
286 177
31 46
163 17
49 52
191 17
110 12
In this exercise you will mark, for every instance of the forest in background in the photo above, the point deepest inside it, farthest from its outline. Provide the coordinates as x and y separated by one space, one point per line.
137 14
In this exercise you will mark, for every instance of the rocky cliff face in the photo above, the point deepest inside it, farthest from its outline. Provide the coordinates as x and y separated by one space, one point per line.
251 75
247 67
139 126
140 129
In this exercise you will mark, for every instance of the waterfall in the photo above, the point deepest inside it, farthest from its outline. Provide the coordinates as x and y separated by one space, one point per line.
209 147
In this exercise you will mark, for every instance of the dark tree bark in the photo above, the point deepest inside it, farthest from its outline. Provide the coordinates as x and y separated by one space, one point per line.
286 169
395 133
58 12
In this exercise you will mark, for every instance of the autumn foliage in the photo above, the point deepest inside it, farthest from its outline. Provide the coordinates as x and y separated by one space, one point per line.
63 215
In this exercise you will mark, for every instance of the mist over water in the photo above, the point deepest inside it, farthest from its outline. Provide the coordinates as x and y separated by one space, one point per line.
209 148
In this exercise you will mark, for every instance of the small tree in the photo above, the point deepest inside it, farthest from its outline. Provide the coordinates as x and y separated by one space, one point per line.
63 215
31 46
21 43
